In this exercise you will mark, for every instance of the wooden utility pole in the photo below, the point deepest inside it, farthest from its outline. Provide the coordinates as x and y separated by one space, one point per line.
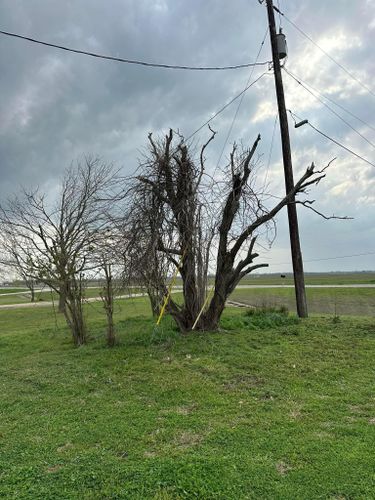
299 280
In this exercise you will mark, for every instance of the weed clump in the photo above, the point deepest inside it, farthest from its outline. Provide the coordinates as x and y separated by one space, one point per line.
164 335
260 318
269 317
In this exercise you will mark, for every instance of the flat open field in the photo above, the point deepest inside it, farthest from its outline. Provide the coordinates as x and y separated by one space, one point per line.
334 301
23 296
12 290
269 408
312 279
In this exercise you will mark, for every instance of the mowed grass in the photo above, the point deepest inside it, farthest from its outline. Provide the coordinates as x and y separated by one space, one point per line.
269 408
12 290
334 301
23 297
19 297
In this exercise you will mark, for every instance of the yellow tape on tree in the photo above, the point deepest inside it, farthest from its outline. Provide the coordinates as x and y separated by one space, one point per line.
204 305
170 290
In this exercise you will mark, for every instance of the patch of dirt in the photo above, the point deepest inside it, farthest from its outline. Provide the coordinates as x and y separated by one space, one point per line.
186 410
329 425
355 408
187 439
295 414
283 468
149 454
64 447
54 468
323 435
243 382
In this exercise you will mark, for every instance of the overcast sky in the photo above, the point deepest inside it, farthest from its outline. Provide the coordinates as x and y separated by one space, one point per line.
57 106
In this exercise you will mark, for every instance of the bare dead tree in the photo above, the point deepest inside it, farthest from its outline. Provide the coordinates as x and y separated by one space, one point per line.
109 264
167 210
11 260
60 235
144 265
191 217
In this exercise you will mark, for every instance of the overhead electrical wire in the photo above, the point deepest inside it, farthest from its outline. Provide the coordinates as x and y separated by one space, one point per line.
225 106
241 100
333 140
280 18
132 61
342 257
325 96
329 107
325 258
270 151
349 73
341 145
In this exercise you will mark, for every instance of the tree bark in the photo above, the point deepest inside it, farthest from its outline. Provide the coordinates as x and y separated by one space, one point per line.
73 312
155 301
32 291
62 297
108 299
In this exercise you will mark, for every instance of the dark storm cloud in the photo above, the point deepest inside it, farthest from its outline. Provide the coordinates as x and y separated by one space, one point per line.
56 106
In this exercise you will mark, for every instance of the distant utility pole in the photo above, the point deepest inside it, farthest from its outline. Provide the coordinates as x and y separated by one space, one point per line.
299 280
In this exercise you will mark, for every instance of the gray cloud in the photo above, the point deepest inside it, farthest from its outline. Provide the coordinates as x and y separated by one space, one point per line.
57 106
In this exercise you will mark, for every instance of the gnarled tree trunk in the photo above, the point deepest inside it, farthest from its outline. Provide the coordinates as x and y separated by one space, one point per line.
73 311
191 216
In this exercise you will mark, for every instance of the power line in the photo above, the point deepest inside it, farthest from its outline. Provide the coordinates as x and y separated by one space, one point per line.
325 96
221 110
280 18
334 140
326 53
341 145
225 106
342 257
326 258
271 150
329 107
240 103
131 61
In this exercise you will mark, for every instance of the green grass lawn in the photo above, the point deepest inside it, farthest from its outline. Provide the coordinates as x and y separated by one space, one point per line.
23 296
356 278
47 296
269 408
334 301
19 298
12 290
